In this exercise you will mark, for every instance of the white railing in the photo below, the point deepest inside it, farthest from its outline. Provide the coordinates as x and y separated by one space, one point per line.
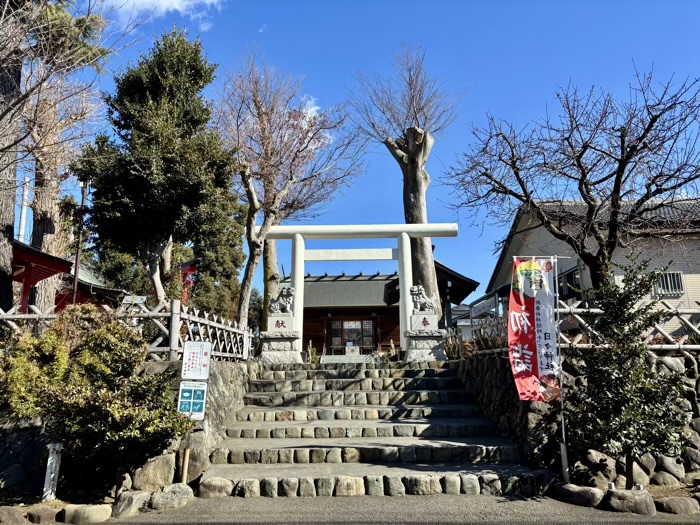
166 328
680 332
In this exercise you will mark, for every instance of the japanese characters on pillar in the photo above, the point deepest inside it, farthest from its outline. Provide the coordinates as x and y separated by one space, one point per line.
532 330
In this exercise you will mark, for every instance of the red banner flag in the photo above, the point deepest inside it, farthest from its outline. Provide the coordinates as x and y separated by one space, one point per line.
532 330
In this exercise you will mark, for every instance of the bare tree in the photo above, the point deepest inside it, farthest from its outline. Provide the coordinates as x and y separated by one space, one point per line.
632 167
41 40
292 156
404 112
56 123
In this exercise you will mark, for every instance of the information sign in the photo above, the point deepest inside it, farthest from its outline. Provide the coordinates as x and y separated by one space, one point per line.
196 360
192 399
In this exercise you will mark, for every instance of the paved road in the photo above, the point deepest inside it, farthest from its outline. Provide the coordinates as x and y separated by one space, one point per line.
442 509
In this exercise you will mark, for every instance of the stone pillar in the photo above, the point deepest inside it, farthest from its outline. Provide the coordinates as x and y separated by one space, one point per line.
405 283
298 249
280 347
424 340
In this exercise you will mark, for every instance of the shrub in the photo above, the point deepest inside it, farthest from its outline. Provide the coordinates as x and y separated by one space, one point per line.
83 379
625 407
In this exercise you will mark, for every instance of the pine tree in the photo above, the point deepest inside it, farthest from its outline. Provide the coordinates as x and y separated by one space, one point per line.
625 407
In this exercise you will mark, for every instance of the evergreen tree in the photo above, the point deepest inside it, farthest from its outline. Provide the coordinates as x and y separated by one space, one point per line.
625 407
166 178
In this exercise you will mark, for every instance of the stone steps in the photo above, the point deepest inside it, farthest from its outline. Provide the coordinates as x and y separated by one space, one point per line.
353 428
360 373
366 450
367 412
363 429
422 365
366 384
359 479
356 398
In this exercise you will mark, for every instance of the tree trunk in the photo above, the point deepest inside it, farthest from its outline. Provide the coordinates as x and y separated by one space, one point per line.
47 234
10 78
415 187
271 275
154 274
629 472
255 253
167 258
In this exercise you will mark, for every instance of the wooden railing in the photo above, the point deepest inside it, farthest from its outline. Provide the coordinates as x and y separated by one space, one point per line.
166 328
680 332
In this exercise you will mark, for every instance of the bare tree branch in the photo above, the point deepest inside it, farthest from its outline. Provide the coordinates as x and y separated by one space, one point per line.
620 161
294 156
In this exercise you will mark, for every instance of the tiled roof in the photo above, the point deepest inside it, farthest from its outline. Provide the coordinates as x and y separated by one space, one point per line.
654 212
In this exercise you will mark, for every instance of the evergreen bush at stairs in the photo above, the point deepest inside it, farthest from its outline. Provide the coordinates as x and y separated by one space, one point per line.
364 429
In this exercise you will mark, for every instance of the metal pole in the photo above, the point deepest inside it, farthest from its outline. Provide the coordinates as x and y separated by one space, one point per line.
562 445
23 211
78 251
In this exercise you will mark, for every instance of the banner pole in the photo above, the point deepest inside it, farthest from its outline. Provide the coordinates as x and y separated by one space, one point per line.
562 445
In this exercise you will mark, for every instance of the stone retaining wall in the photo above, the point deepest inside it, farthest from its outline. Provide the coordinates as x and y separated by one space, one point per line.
23 450
23 456
490 380
228 384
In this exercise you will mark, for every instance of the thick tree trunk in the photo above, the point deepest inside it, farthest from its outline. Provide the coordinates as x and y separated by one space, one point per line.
154 274
10 77
416 150
271 275
47 234
167 258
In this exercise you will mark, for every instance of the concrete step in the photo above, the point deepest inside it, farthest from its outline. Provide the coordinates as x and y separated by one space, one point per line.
366 450
356 398
369 412
327 385
354 428
422 365
358 373
359 479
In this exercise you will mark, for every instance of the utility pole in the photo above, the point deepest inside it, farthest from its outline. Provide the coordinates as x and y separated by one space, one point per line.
23 211
78 251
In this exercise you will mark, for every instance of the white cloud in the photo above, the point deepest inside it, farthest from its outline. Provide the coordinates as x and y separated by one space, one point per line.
262 28
310 107
196 10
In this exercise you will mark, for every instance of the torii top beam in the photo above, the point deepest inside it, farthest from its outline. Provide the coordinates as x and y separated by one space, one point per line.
363 231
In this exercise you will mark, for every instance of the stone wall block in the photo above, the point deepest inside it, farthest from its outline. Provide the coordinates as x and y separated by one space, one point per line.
156 473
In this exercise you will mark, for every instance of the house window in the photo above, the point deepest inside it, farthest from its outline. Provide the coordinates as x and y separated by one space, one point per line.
569 285
670 283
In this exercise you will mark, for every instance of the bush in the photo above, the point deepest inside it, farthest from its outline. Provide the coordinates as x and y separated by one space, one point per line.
625 407
82 378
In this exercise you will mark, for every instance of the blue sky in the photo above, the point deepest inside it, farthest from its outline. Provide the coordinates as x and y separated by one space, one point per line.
505 57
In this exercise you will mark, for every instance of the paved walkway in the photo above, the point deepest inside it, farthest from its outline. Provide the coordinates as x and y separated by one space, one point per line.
441 509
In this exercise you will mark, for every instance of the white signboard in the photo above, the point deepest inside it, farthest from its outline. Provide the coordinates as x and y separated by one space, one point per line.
192 399
491 304
352 350
196 360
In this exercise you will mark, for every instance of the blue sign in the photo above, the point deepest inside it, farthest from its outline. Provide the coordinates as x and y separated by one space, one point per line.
193 399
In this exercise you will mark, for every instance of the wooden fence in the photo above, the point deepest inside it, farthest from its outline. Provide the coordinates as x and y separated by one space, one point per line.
166 328
681 332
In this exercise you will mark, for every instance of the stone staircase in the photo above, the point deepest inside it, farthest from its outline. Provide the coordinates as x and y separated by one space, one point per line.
364 429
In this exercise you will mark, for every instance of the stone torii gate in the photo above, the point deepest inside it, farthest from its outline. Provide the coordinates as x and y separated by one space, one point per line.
277 340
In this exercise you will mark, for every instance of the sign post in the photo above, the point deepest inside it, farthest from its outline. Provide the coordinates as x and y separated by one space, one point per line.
192 400
196 363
